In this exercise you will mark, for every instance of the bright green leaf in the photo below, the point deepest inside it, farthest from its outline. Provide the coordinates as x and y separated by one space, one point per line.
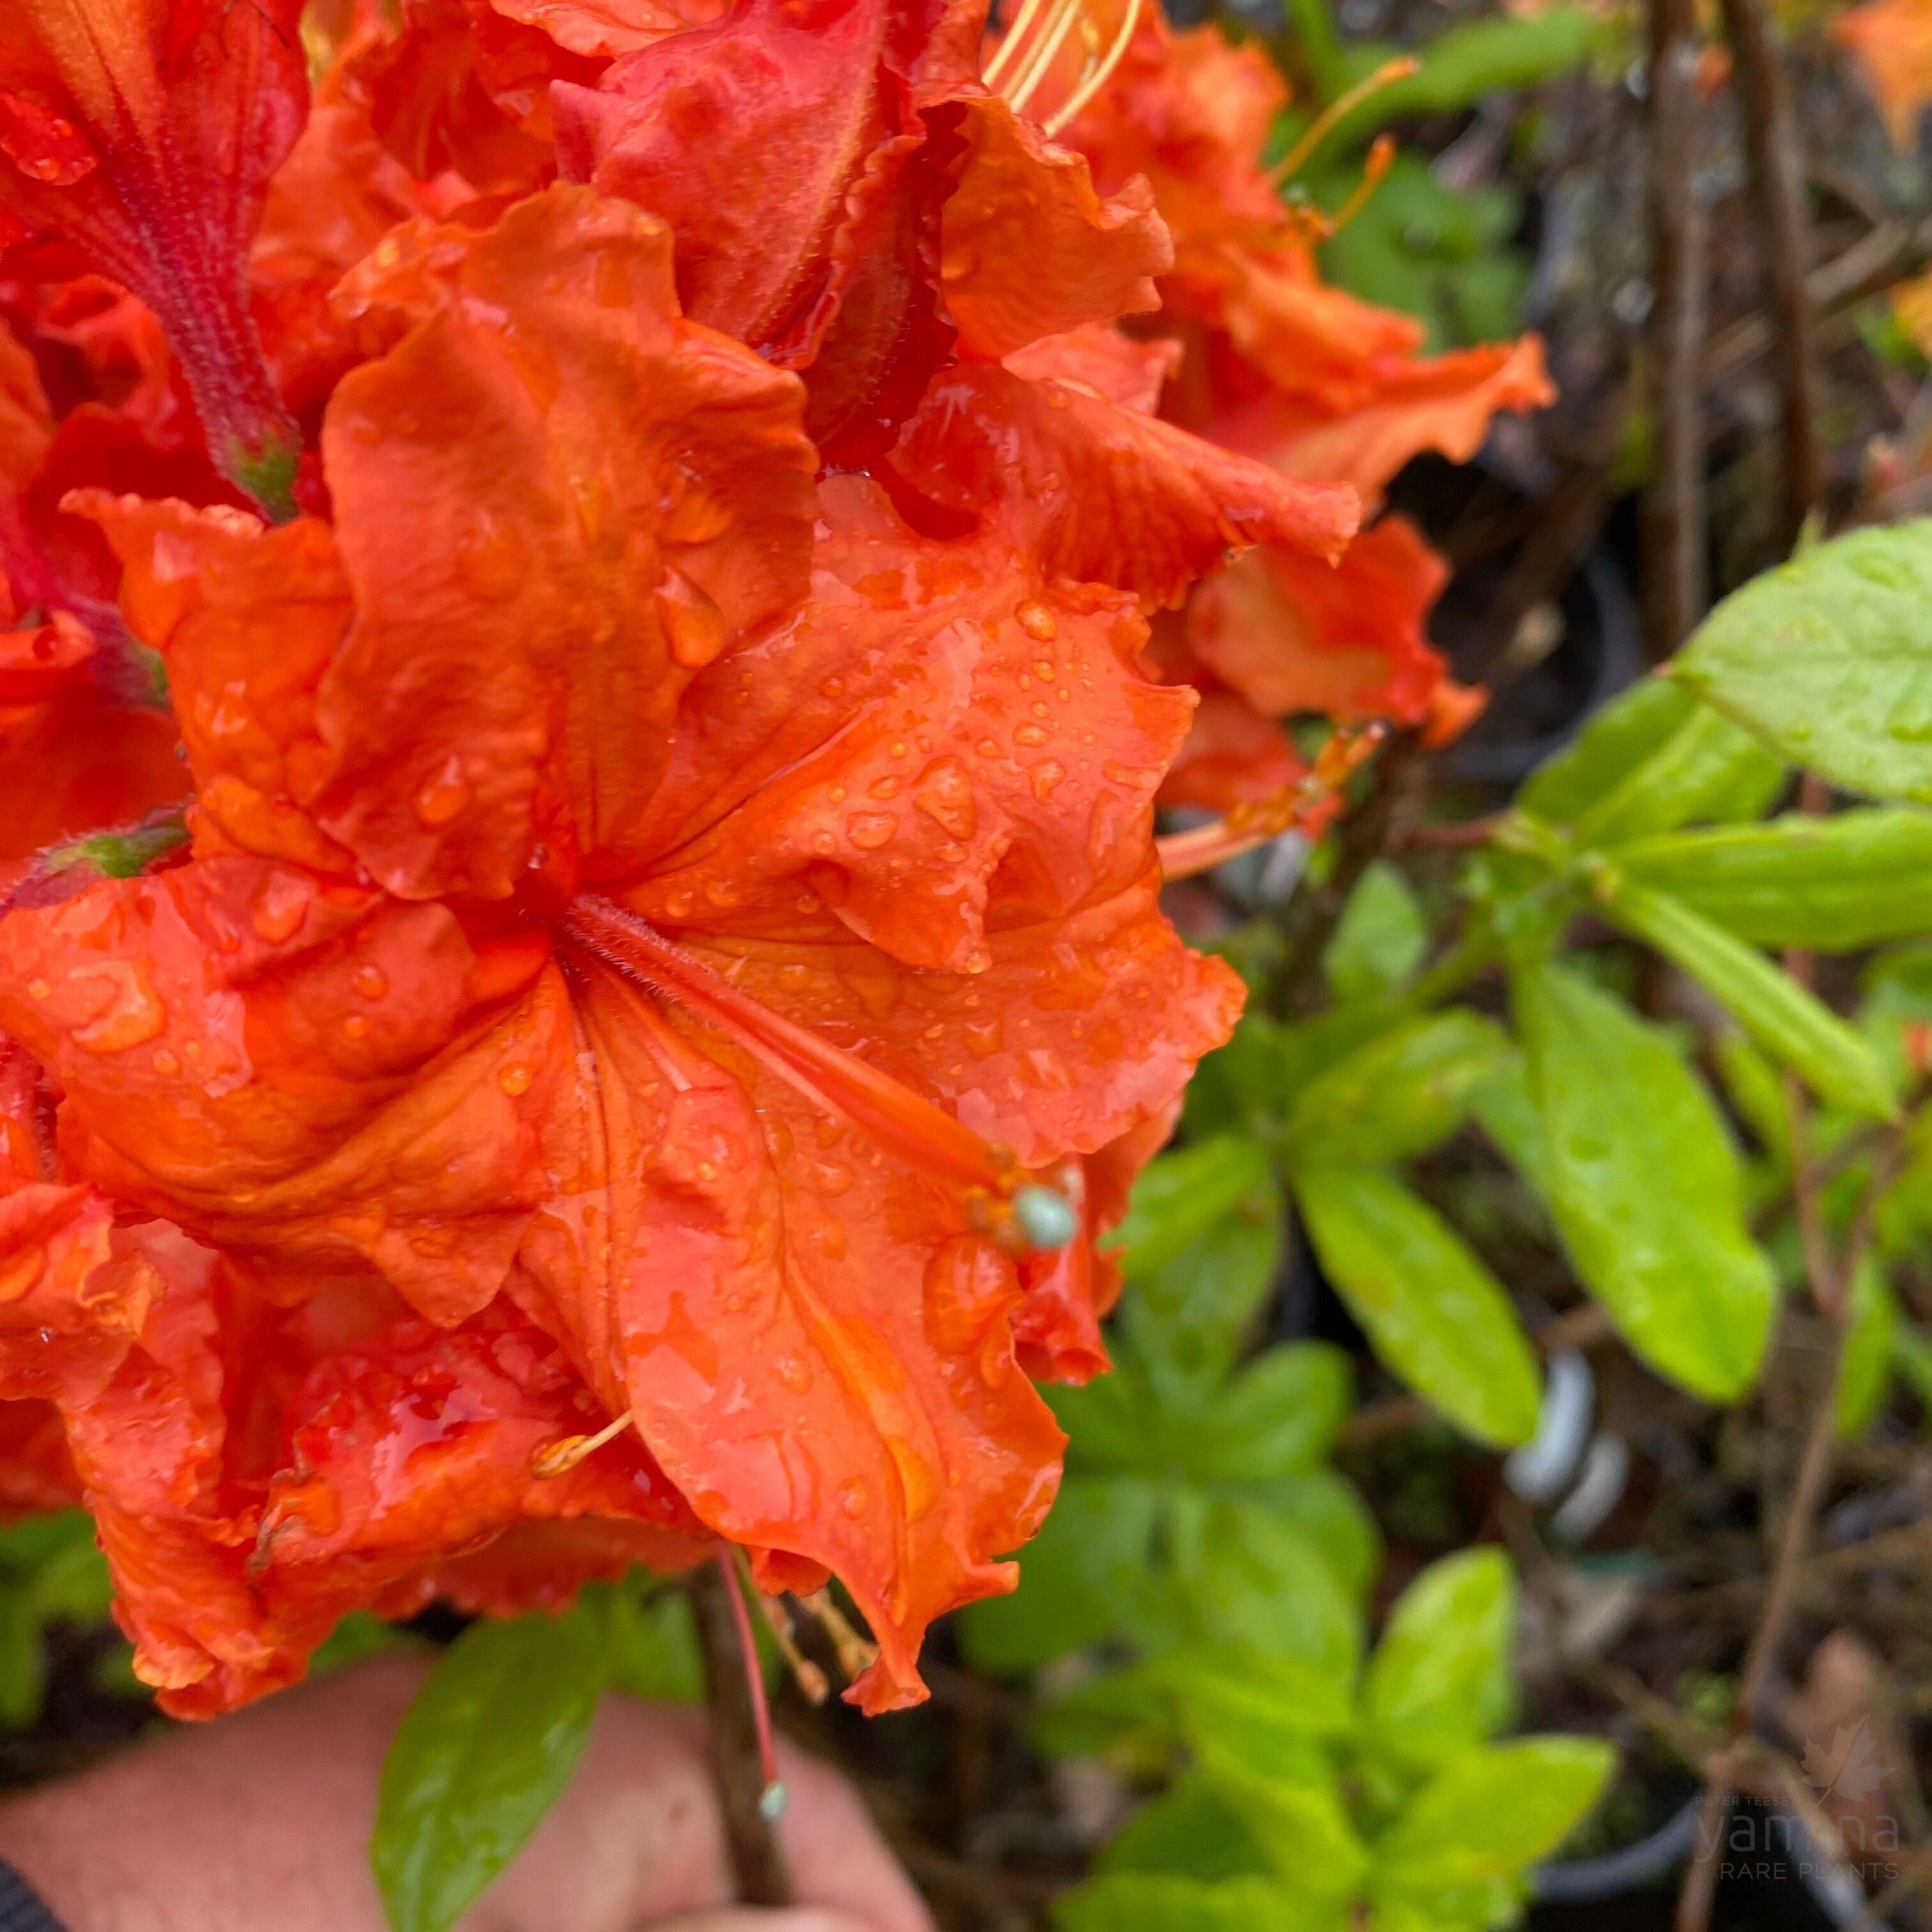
1263 1708
1828 659
483 1752
1189 1319
1180 1196
1439 1680
1644 1184
1650 760
1157 1902
1275 1418
1188 1832
1303 1828
1399 1095
1789 1023
1080 1578
1836 884
1327 1509
1505 1110
1438 1319
1489 1814
653 1645
1381 937
23 1663
1865 1372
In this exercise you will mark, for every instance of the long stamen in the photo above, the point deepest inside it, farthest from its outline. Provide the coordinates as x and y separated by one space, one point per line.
1039 63
772 1799
1300 806
1004 55
856 1654
805 1674
560 1457
1380 157
882 1107
1101 75
1323 123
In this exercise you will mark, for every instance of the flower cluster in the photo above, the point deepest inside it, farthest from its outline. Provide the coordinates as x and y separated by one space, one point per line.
581 962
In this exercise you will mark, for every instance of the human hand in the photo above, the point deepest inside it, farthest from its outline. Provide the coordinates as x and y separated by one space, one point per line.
260 1823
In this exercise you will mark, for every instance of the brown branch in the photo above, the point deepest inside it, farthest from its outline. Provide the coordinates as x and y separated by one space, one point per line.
1784 237
1309 920
737 1760
1672 528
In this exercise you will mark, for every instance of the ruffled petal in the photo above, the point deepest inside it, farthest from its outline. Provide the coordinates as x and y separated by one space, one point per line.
941 738
1105 494
1348 641
1234 755
300 1072
1028 248
817 1349
553 476
611 27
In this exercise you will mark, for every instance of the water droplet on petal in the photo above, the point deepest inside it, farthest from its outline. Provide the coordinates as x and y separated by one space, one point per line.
795 1372
445 796
1037 621
371 982
870 830
130 1014
515 1079
852 1495
279 906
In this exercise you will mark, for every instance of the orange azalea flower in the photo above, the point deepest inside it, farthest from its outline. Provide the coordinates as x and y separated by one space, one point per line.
145 131
1300 377
1891 41
650 914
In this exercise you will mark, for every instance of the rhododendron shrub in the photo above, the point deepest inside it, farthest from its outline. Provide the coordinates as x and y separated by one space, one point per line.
581 966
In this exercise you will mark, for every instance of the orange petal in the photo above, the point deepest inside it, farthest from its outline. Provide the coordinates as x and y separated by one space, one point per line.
611 27
1290 633
940 732
304 1073
556 502
1099 357
247 620
1103 494
1234 755
1028 248
1892 41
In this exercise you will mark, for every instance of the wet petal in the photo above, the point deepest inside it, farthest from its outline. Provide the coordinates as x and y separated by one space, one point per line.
553 476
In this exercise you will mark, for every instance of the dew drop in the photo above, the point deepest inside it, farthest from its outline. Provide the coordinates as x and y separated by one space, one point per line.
1032 735
444 797
870 830
794 1372
371 982
852 1495
279 905
515 1079
356 1026
38 989
166 1064
1047 774
133 1015
1037 621
885 788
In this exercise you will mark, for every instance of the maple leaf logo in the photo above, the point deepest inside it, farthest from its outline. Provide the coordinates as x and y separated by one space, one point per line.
1850 1769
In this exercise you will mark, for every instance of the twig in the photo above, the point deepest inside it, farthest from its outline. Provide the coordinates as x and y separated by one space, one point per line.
738 1746
1672 521
1309 920
1784 233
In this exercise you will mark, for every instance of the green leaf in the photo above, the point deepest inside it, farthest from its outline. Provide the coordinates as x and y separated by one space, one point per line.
23 1663
1188 1832
1650 760
1180 1196
1835 885
1302 1827
1489 1814
1439 1680
1790 1024
1327 1509
1262 1707
1912 1358
1865 1372
1080 1578
1506 1112
1754 1089
1644 1184
483 1752
653 1646
1156 1902
1381 938
1399 1096
1277 1418
1829 660
1438 1319
1242 1576
1189 1319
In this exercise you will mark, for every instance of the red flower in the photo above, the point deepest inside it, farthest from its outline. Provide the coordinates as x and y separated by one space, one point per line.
648 913
145 132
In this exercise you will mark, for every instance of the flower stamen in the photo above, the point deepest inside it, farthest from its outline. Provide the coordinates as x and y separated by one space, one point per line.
1304 806
1323 124
885 1110
1090 84
560 1457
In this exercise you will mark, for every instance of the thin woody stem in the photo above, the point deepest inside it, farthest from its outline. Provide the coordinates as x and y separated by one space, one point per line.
749 1794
